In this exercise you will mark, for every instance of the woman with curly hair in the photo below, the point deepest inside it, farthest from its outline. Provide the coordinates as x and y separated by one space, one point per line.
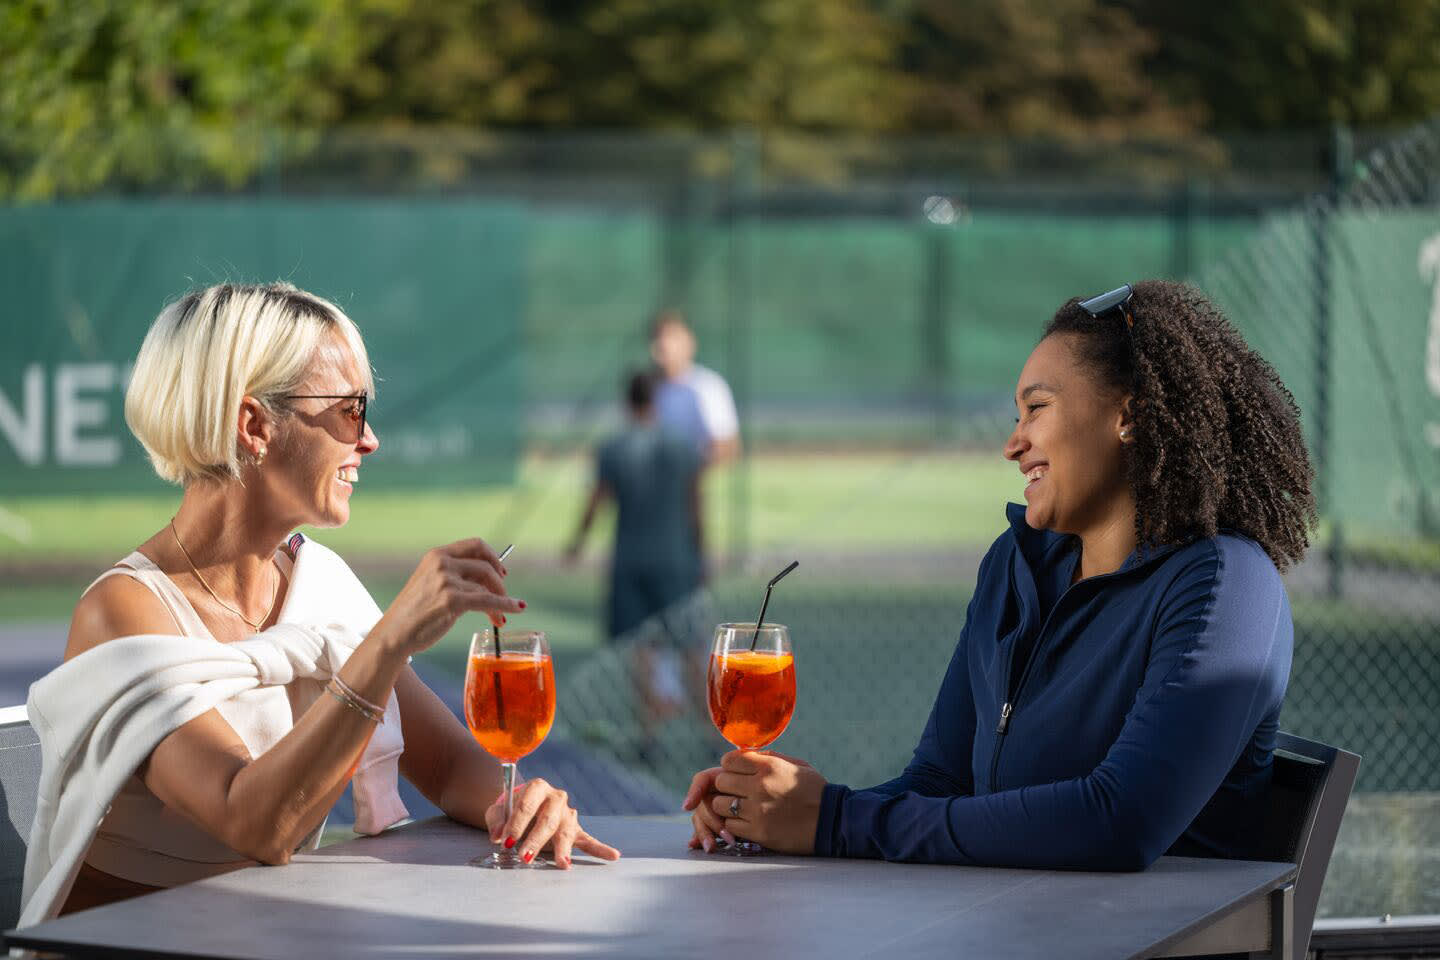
1116 689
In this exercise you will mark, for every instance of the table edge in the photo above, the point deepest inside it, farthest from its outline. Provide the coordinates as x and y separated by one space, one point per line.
1220 913
19 938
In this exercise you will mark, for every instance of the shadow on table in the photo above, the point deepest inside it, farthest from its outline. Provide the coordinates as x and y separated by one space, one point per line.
281 930
415 844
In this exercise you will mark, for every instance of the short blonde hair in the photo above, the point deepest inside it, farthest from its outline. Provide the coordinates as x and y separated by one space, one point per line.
207 351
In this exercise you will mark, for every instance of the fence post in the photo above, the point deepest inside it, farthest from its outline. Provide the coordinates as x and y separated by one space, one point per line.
1340 162
935 327
744 186
1182 239
677 260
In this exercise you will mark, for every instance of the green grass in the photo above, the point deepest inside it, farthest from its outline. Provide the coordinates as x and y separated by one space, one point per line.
861 504
851 507
859 501
49 600
881 502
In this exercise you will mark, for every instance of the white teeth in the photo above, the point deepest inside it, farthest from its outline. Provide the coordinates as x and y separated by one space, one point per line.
1035 474
348 474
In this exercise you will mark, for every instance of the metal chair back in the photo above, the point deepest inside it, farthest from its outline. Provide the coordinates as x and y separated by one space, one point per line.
19 784
1311 786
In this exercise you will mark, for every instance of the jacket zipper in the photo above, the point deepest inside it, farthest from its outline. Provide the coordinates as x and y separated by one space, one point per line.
1008 709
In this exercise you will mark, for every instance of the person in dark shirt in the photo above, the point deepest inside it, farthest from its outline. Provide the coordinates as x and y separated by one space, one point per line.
652 473
1116 689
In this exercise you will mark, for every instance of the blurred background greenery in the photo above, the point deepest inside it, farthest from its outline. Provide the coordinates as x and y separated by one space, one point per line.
160 93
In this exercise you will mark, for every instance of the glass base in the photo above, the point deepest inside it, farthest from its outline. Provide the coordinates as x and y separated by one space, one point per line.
506 860
740 848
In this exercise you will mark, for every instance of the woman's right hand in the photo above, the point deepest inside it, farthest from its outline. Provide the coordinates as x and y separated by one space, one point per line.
706 825
776 797
449 581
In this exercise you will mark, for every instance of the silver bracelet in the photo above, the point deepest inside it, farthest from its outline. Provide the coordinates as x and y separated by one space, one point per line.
374 716
349 691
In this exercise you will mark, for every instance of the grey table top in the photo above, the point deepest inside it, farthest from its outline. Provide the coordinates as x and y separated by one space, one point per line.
407 893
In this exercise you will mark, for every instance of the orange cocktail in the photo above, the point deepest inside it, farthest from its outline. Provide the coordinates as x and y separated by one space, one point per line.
752 695
751 691
509 708
509 702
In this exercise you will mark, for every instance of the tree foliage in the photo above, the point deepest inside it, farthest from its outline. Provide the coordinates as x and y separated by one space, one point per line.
145 90
1037 67
707 64
191 93
1296 64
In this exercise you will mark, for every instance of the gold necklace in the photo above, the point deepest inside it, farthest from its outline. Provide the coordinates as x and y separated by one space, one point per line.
274 593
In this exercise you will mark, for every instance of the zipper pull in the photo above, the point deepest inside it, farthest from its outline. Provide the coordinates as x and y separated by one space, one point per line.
1004 719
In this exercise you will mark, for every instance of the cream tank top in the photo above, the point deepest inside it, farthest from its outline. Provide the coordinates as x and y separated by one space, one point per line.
143 840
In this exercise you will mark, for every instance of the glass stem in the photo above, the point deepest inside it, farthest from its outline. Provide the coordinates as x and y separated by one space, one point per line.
507 774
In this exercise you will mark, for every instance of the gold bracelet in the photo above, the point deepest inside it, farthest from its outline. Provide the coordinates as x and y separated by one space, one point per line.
371 715
349 691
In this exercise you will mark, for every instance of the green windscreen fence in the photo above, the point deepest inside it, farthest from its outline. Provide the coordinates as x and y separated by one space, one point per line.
438 290
839 310
1364 369
486 320
1385 384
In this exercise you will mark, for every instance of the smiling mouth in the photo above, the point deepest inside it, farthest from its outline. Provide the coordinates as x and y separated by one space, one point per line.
1034 475
347 476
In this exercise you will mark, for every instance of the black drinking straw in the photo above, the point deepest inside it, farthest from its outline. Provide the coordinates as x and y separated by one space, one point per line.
766 603
499 696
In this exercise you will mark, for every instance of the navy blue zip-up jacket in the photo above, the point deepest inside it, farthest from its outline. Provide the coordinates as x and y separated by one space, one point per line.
1142 712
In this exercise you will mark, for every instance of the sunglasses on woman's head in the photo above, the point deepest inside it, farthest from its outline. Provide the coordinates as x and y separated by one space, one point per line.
1117 299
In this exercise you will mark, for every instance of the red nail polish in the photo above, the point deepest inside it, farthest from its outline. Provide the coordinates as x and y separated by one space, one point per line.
528 857
509 842
522 604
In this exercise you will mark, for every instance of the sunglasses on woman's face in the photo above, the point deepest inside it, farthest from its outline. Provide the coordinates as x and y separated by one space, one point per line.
1117 299
362 400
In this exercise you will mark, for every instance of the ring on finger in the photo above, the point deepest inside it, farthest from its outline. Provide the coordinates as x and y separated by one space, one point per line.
734 807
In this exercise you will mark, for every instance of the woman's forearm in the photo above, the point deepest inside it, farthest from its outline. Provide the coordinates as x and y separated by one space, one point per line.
278 798
472 783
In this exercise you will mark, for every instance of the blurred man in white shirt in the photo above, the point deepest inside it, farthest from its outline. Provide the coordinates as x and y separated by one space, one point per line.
692 399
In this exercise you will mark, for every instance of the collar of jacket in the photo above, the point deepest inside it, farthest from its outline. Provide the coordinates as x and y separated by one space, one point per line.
1040 548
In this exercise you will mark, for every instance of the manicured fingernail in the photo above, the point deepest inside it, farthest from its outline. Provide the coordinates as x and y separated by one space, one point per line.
709 846
726 836
509 842
528 857
521 603
503 621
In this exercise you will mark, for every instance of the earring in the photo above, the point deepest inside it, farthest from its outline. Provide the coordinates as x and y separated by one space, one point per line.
259 456
1125 435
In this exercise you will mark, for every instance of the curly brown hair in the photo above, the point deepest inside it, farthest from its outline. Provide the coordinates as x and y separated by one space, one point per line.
1217 442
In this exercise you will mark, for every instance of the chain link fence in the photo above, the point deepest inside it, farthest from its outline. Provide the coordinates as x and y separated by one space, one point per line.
1335 290
1340 292
1341 295
869 660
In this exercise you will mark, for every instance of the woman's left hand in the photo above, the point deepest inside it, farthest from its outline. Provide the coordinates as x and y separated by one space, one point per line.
769 798
543 819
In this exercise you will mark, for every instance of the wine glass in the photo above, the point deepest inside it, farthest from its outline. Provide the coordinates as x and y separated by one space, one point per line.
751 687
509 707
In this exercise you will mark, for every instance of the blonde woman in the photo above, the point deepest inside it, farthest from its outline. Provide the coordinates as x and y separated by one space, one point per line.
253 399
